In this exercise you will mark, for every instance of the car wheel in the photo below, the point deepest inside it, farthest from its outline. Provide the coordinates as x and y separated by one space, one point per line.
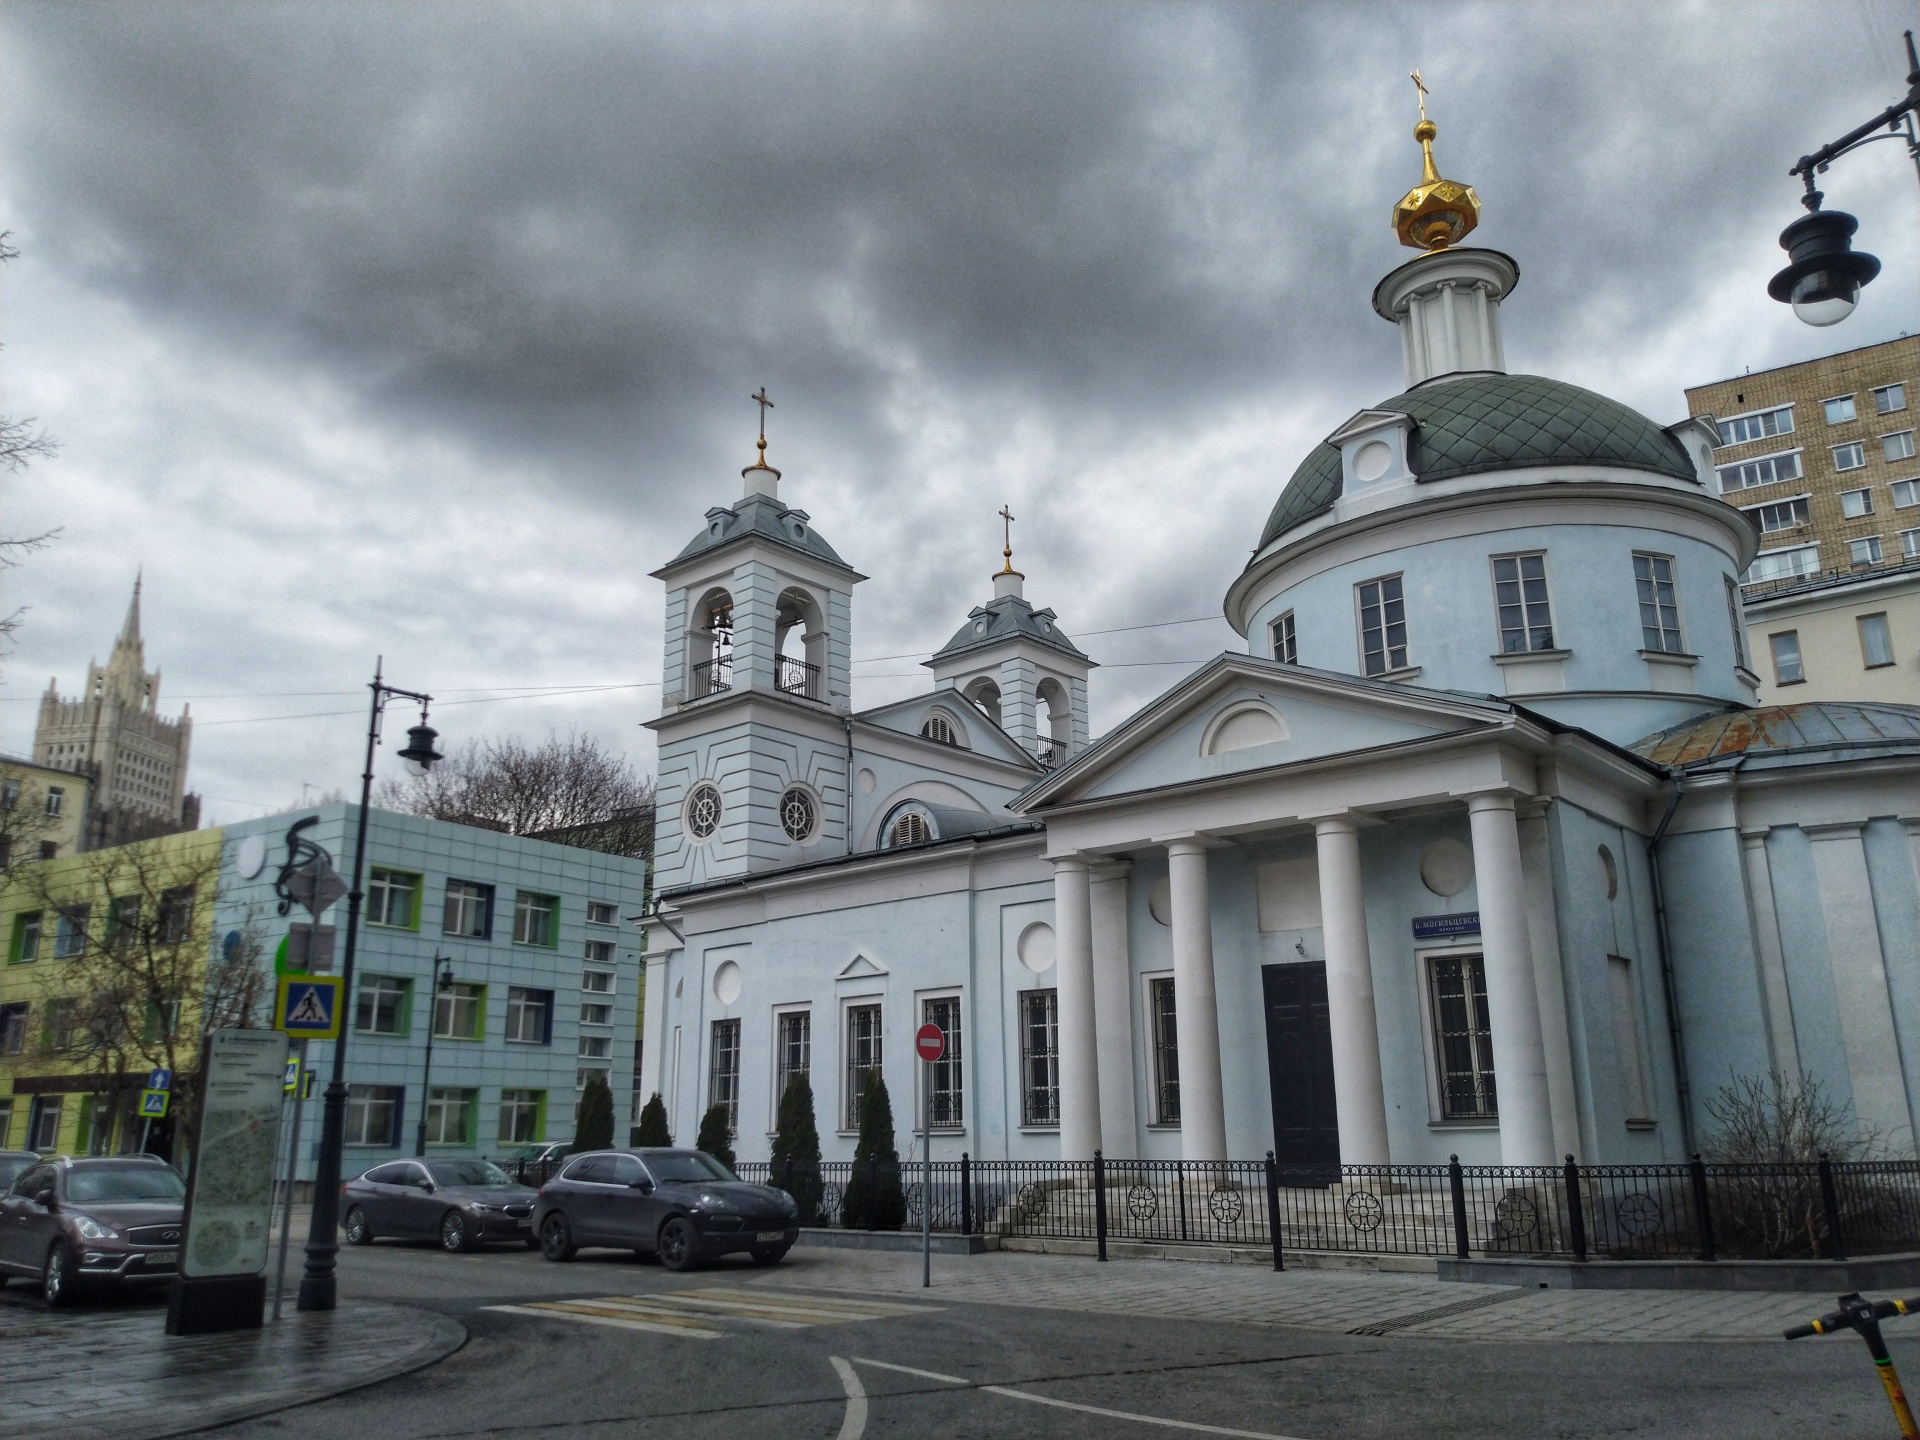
56 1281
556 1237
359 1232
769 1254
679 1248
456 1235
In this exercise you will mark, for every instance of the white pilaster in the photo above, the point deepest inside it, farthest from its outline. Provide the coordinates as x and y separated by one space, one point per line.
1860 985
1359 1093
1203 1109
1079 1054
653 1042
1543 932
1513 999
1113 1007
1783 1049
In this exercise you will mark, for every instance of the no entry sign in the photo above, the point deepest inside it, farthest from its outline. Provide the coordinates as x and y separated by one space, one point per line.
929 1043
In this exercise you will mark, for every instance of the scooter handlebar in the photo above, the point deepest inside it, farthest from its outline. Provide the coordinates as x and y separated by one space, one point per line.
1800 1332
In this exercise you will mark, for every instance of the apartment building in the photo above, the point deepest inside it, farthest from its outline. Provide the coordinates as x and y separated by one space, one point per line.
1820 456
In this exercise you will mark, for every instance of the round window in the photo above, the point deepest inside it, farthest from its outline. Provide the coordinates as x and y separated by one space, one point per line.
703 810
797 814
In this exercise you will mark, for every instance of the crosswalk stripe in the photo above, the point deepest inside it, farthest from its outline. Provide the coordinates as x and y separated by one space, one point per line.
686 1332
805 1311
618 1307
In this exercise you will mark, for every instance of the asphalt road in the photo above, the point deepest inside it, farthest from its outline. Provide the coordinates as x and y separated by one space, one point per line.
639 1352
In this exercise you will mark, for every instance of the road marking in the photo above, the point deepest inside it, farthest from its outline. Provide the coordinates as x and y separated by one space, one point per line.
588 1317
1073 1405
780 1311
909 1370
854 1425
1129 1415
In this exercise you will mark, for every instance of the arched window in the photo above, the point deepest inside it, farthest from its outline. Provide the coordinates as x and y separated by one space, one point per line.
985 694
910 825
939 728
710 646
798 814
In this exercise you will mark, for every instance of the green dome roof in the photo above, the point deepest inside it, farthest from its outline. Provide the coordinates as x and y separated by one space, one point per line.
1494 422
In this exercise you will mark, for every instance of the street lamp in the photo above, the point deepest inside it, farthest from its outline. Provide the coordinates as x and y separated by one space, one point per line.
317 1287
1824 272
442 985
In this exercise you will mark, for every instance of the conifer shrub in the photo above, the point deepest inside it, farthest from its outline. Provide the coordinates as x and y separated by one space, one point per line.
593 1124
873 1198
796 1149
652 1129
715 1131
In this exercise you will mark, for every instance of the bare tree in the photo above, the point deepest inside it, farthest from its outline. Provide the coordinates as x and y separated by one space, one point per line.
21 442
137 977
1782 1120
568 791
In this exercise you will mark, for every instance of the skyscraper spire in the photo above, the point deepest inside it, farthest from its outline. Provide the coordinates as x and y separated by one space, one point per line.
130 632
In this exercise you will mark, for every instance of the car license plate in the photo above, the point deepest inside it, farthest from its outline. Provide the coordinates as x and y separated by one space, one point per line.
523 1224
769 1237
162 1259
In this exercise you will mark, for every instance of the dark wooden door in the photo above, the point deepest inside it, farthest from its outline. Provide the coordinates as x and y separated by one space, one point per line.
1306 1126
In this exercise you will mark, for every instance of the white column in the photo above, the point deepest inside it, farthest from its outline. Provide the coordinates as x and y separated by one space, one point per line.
1358 1091
1073 974
1513 1000
1113 1007
1860 985
1203 1109
1783 1048
653 1041
1543 931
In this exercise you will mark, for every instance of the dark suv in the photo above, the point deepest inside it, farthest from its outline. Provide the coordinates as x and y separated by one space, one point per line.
77 1224
682 1205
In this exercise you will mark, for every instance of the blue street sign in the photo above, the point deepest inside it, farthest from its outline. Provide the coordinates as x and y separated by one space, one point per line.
309 1007
159 1079
1446 927
153 1104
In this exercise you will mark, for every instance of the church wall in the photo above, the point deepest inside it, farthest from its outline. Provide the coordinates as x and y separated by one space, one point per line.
895 780
1896 904
1716 969
1809 965
1453 632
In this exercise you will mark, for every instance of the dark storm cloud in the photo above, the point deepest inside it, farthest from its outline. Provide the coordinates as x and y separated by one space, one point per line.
1081 254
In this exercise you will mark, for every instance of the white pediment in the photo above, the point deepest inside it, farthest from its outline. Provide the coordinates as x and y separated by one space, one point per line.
971 730
861 967
1242 714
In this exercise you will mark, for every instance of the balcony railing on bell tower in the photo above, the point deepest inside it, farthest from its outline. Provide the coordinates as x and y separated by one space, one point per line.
797 678
710 677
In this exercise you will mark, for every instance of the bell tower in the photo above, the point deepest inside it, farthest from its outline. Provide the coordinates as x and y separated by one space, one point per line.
755 690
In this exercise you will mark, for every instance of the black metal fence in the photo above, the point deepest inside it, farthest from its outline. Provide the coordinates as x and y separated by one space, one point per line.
1617 1212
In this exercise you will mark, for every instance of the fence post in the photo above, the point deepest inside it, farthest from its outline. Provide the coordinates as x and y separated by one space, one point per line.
1702 1208
1576 1215
1830 1202
966 1194
1273 1208
1457 1183
1100 1202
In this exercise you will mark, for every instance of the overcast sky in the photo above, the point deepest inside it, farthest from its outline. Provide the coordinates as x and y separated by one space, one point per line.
428 330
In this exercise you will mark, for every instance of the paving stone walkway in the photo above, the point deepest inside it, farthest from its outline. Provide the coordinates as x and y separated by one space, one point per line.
1344 1302
116 1375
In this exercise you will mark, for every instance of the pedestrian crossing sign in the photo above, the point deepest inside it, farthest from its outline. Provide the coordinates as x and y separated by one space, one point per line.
308 1007
153 1104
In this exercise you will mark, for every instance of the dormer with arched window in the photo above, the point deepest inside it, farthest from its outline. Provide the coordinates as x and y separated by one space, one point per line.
1015 667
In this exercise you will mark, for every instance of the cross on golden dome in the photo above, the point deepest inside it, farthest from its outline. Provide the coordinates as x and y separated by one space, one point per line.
1437 212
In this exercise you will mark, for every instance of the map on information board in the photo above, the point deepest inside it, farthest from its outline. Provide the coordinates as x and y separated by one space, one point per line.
230 1203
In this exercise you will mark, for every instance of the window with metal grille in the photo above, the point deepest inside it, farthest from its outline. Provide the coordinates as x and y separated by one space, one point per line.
793 1052
703 810
1039 1057
1520 597
1761 470
723 1071
863 1057
939 729
1286 645
1659 609
1463 1038
944 1088
797 814
1166 1052
1383 626
1757 426
1733 622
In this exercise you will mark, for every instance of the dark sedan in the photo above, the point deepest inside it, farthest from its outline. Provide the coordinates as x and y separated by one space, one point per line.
461 1203
74 1225
681 1205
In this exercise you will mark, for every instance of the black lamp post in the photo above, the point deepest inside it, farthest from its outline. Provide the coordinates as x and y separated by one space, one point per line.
317 1288
442 984
1824 272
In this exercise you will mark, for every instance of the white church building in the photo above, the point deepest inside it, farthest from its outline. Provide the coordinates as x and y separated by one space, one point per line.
1480 846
